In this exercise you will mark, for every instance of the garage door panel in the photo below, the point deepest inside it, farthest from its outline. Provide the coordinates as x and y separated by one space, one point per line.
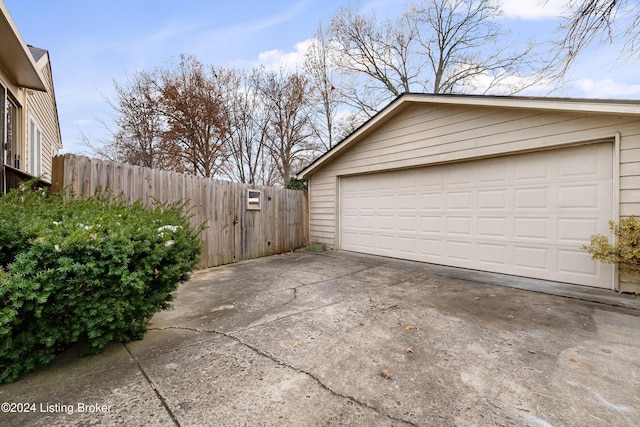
407 222
493 199
591 165
431 224
579 196
430 249
459 225
385 222
385 245
531 257
573 230
369 241
405 201
456 179
531 169
459 250
492 227
525 214
573 262
494 254
532 198
459 200
532 228
407 245
493 175
431 201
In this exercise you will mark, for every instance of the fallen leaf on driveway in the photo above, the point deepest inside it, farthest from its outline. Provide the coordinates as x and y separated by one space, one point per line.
408 350
606 350
296 344
385 374
408 327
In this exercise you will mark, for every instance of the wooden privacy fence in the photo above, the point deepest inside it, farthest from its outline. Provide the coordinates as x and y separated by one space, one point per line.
243 221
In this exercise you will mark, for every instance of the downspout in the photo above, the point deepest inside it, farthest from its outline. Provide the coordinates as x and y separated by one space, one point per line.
616 202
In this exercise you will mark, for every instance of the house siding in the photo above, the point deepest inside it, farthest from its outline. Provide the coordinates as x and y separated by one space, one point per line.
428 134
42 107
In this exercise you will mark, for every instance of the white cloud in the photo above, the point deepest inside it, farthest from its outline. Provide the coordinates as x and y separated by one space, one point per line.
290 61
607 88
533 9
505 84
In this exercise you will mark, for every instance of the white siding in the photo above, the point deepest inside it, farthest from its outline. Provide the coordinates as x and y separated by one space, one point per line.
42 106
425 134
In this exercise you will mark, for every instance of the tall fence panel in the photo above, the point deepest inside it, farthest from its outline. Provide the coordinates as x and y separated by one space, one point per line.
243 221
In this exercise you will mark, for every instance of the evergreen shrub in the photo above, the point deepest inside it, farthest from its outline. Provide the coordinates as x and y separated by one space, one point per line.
89 271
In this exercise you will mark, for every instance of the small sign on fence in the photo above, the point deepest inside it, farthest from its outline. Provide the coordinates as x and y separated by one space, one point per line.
253 200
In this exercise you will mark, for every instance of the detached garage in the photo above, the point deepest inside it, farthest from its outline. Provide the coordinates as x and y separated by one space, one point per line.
502 184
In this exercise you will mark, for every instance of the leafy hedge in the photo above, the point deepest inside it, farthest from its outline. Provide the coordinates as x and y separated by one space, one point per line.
89 271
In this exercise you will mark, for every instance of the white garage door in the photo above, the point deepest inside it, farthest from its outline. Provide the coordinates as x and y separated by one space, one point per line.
525 214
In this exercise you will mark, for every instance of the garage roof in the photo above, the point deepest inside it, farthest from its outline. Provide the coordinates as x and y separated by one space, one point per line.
602 106
15 56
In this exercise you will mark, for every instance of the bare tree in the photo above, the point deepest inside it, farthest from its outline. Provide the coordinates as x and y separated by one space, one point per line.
253 127
319 69
285 97
585 21
139 122
463 44
197 128
248 121
381 52
441 46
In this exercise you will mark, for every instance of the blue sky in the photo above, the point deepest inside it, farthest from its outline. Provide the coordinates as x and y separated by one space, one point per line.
91 43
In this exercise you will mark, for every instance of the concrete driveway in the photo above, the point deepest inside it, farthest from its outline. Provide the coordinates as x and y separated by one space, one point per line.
337 338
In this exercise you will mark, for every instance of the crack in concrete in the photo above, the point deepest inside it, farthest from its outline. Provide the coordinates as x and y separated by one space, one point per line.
280 362
264 353
295 293
154 388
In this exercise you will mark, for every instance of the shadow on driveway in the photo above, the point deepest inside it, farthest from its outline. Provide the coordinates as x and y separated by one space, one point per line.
337 338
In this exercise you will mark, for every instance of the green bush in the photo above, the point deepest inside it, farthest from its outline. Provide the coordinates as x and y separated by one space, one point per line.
89 271
296 184
626 249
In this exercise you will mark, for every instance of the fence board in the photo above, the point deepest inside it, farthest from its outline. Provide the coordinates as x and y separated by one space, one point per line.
234 233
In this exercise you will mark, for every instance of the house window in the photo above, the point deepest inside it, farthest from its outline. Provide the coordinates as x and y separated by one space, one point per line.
12 146
35 149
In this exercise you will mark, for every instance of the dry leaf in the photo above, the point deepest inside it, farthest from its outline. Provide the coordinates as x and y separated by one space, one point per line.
408 350
385 374
606 350
296 344
408 328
